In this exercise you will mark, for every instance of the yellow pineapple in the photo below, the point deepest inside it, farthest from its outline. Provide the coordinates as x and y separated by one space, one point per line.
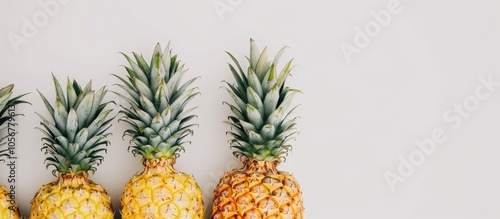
8 206
73 141
261 131
158 125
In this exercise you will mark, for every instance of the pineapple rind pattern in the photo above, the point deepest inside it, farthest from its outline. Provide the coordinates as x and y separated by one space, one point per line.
257 191
156 194
7 209
78 199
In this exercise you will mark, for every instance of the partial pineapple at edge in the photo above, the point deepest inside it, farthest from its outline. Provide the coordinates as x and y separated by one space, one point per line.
158 123
261 130
8 207
75 135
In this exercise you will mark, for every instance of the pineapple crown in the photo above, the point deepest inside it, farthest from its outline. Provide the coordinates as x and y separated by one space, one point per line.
7 102
261 127
77 131
157 117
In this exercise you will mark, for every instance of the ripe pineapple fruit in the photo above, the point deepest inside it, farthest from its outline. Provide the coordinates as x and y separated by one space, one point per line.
8 207
158 125
73 141
261 132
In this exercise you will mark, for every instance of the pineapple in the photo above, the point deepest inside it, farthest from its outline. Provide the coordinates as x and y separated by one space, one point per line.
261 132
158 124
8 207
73 140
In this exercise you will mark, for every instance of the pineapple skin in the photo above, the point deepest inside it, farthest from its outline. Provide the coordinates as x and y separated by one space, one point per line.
6 207
258 190
71 196
160 191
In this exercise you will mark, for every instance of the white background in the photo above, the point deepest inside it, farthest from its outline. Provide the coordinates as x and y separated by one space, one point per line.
358 117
